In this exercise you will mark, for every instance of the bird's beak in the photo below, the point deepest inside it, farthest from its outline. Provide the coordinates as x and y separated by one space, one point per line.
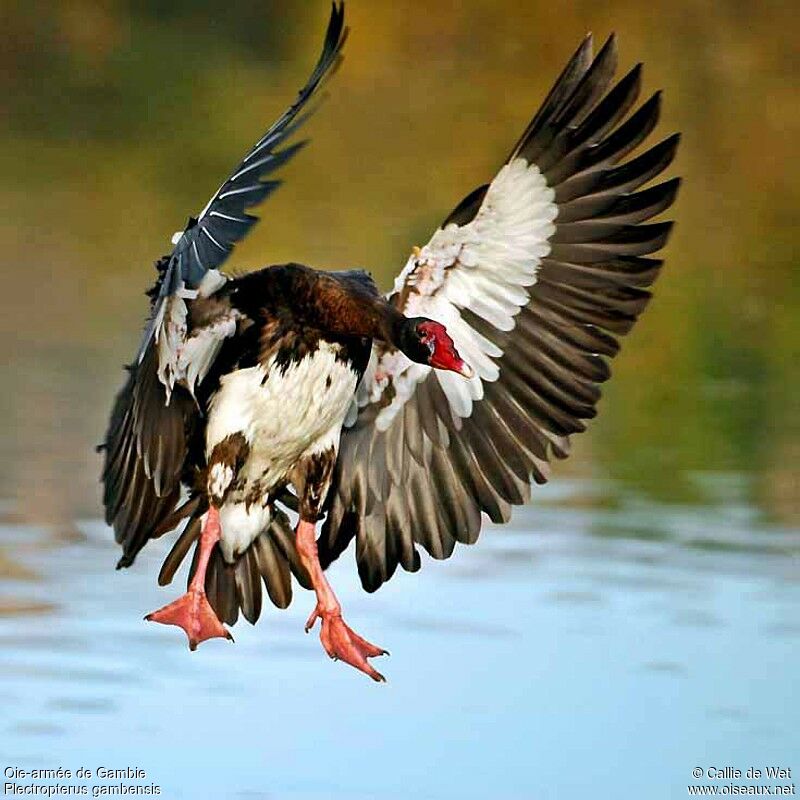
465 370
443 353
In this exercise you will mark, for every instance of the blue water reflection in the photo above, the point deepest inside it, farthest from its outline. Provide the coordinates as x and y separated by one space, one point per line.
602 646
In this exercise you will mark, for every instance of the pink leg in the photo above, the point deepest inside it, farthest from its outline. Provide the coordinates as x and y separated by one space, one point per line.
193 612
339 641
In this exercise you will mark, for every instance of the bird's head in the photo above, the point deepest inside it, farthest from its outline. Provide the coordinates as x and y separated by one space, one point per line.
428 342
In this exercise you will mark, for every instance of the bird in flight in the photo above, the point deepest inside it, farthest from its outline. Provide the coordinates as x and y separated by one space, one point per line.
393 420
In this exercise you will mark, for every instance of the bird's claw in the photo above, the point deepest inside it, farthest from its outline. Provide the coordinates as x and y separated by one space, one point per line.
342 643
194 614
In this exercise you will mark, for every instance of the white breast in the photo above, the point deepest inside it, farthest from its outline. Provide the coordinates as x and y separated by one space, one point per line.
283 415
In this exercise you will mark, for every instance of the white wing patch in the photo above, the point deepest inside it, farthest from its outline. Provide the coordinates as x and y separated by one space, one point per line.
198 353
171 336
182 358
485 266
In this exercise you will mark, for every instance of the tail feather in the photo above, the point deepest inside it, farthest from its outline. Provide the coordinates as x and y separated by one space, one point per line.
221 587
179 550
247 580
271 558
274 569
282 536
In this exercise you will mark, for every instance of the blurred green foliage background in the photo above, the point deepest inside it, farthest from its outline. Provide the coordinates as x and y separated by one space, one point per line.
122 118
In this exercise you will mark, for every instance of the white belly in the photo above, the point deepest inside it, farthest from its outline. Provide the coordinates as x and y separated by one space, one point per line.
283 415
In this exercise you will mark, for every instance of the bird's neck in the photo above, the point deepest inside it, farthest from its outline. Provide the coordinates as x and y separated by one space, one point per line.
390 323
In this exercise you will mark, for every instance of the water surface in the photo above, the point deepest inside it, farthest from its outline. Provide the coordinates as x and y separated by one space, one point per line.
595 652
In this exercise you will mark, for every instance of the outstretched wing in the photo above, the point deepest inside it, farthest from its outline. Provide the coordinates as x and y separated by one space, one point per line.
155 416
536 276
209 239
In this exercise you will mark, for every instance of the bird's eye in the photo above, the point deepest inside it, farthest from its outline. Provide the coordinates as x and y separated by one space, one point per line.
426 339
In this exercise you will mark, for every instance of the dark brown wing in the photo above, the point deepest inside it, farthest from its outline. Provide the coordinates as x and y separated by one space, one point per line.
536 276
145 451
154 416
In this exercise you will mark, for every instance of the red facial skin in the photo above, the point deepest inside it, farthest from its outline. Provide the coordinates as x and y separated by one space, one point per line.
444 354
